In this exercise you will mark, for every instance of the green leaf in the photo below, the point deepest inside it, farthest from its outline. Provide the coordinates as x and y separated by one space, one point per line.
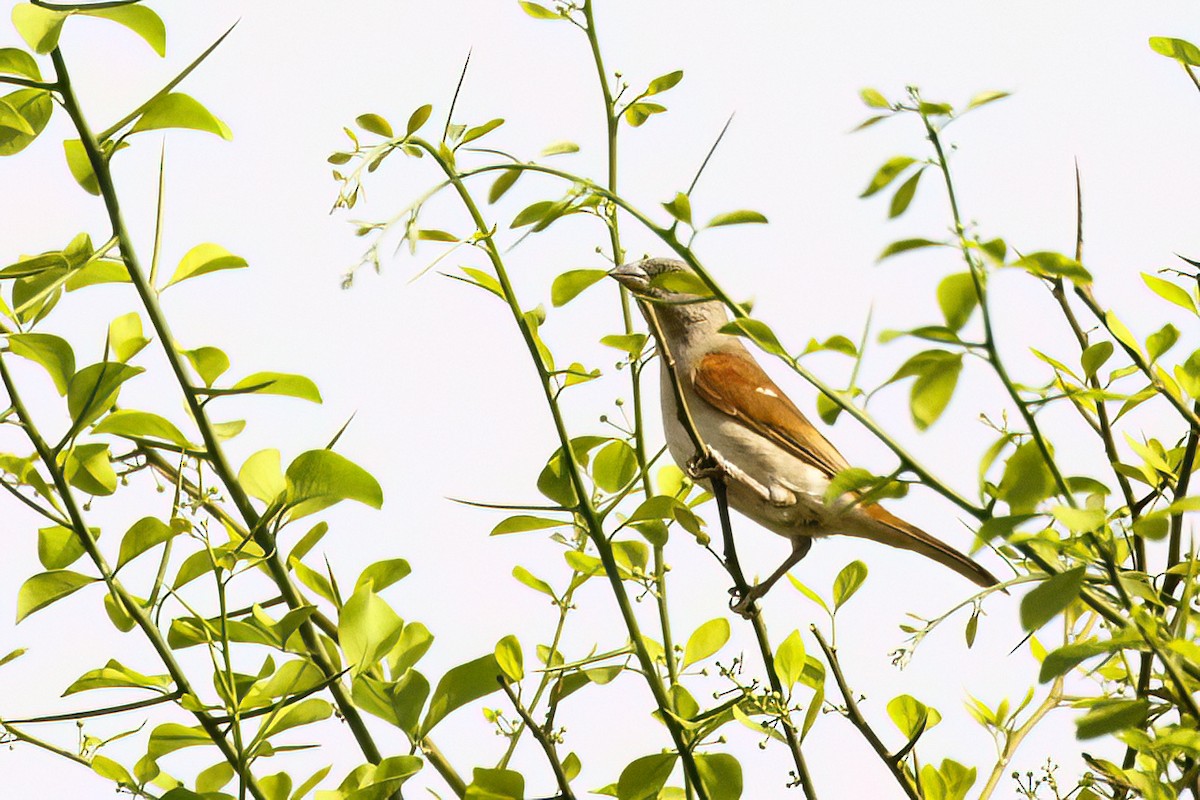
47 587
509 658
957 298
178 110
538 11
203 259
51 352
367 629
532 581
706 641
561 147
984 98
614 466
140 425
790 660
680 208
496 784
115 675
17 62
35 107
137 18
568 285
105 767
60 547
637 113
279 383
521 523
643 778
373 123
847 582
88 467
93 389
81 166
1094 357
481 130
1053 265
39 27
874 98
1079 520
319 478
261 476
1027 480
418 118
904 195
632 343
502 184
459 686
1178 49
1110 716
890 170
757 331
1060 661
904 245
740 217
909 714
664 82
125 336
1050 597
1170 292
937 374
146 533
415 640
305 712
1161 341
382 574
171 736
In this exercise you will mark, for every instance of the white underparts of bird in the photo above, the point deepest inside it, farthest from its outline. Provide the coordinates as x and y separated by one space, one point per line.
777 466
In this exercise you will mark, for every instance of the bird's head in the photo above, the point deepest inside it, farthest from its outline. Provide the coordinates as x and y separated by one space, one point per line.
681 301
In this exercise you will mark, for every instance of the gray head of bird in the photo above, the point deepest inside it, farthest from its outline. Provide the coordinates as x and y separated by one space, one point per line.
668 288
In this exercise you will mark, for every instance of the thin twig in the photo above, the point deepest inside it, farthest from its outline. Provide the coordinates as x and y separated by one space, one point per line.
564 785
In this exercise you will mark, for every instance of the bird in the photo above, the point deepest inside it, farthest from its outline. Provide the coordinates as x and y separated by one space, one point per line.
775 464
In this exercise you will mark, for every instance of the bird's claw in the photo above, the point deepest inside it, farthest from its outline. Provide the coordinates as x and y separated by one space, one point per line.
706 465
743 604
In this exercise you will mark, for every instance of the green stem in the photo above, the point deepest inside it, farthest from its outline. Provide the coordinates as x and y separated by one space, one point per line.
586 511
560 776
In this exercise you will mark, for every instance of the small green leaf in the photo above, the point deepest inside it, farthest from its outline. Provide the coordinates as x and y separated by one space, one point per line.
459 686
1050 597
382 574
138 18
105 767
59 547
910 714
1094 357
664 82
14 61
521 523
418 118
319 478
740 217
904 245
509 658
643 778
145 534
632 343
46 587
39 27
502 184
757 331
115 675
1079 520
957 298
538 11
125 336
1047 264
481 130
178 110
1161 341
904 195
847 582
80 166
261 476
1026 480
88 467
637 113
1110 716
141 425
560 147
367 629
790 660
614 466
203 259
35 107
984 98
171 736
93 389
1171 292
705 641
1178 49
305 712
874 98
720 774
533 582
51 352
569 285
680 208
280 383
373 123
890 170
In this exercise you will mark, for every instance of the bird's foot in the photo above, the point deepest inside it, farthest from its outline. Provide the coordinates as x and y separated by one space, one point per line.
743 604
707 465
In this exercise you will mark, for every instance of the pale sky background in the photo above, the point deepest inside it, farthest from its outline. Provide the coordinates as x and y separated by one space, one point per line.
447 404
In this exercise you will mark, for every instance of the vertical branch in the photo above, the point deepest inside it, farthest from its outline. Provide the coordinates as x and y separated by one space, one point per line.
543 739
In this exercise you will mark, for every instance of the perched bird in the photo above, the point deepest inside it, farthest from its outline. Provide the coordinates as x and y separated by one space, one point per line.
776 465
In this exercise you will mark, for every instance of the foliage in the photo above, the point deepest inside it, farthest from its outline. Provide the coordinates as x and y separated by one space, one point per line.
1114 583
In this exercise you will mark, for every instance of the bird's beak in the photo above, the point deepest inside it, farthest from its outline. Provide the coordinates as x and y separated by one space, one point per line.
632 276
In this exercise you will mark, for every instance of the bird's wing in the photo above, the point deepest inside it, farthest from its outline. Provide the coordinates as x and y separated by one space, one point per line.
736 385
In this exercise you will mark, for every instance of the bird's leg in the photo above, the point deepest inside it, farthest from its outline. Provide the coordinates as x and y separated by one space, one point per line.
743 605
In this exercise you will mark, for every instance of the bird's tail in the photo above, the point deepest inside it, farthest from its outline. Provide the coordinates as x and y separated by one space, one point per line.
892 530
